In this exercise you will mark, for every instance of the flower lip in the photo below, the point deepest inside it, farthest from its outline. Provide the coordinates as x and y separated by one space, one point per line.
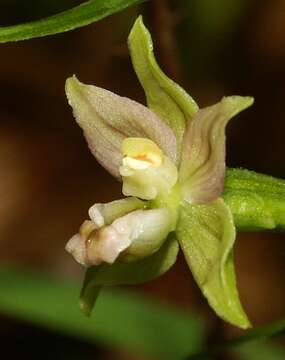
77 249
132 236
104 245
95 214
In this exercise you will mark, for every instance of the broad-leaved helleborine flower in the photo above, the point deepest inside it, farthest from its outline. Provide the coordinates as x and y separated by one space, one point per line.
170 157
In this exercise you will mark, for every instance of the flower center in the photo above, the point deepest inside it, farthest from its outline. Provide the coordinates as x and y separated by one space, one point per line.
146 172
140 154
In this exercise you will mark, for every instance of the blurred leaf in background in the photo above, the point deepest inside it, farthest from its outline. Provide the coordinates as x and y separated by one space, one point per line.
122 319
257 350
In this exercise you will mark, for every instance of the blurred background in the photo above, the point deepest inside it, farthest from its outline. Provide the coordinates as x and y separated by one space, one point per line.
48 178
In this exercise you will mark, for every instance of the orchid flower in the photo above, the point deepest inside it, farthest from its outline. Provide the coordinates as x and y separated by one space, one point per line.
170 157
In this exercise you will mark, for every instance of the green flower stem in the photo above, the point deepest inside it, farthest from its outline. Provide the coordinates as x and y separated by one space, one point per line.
258 334
257 201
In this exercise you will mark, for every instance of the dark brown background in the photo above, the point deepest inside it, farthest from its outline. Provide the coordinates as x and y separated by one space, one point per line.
48 178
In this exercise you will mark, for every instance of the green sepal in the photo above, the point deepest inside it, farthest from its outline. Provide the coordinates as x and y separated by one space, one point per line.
121 273
206 234
164 97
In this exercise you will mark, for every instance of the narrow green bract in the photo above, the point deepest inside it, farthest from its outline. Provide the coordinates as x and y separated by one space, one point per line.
206 234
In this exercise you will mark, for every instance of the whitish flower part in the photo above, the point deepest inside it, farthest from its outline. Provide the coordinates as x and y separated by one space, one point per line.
76 246
105 214
132 236
145 170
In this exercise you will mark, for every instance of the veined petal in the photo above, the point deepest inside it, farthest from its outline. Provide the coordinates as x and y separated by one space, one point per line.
206 234
203 154
107 119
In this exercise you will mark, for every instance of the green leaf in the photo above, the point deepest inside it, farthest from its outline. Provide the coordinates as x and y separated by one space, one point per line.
23 294
127 273
251 345
121 319
261 351
251 350
167 99
264 332
206 234
76 17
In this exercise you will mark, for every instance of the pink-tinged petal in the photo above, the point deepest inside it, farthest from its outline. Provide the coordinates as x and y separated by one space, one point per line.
203 154
76 247
133 236
107 119
138 234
